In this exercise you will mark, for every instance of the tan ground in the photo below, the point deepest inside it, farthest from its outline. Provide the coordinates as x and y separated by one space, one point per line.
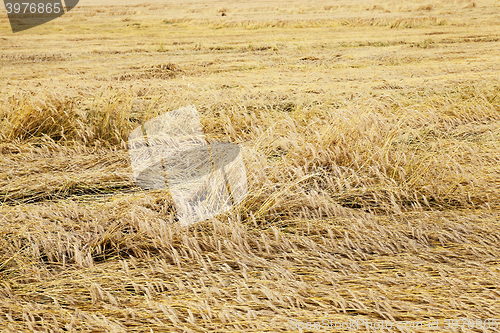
371 137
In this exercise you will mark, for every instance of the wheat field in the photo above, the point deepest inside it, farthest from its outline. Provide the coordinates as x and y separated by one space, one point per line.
370 133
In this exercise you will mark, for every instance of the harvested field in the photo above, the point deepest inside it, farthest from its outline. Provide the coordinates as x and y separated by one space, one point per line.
370 134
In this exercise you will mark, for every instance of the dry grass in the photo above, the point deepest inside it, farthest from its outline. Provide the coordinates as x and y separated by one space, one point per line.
370 133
